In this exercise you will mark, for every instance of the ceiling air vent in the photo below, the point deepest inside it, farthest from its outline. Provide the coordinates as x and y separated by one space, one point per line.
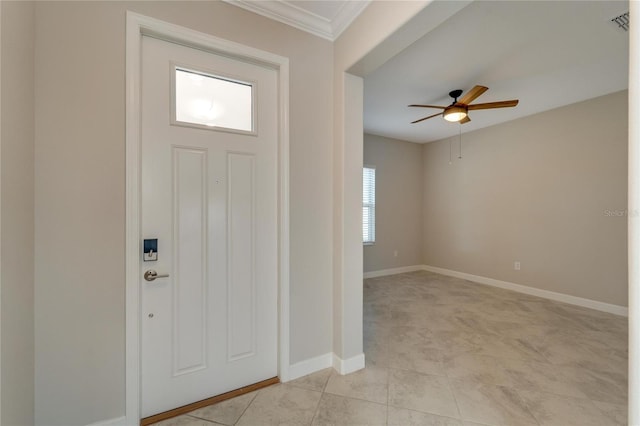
622 21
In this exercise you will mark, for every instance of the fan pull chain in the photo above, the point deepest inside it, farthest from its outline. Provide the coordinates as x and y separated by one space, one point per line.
450 150
460 139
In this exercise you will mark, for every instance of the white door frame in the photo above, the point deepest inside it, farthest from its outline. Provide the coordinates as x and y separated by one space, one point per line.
137 26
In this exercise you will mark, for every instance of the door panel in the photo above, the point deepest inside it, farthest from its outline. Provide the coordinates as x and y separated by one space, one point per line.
189 206
241 252
210 198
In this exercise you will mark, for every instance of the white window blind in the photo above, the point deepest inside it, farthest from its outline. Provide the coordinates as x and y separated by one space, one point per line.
368 205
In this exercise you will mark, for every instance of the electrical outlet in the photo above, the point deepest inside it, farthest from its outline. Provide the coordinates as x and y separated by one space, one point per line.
516 265
395 253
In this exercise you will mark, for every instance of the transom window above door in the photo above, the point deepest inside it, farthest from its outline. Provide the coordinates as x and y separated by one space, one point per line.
212 102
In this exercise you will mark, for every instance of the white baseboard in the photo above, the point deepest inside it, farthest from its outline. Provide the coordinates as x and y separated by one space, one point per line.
346 366
119 421
308 366
546 294
393 271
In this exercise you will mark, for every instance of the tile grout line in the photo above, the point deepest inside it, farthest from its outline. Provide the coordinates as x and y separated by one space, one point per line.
453 394
317 410
388 368
326 382
526 404
206 420
247 407
388 393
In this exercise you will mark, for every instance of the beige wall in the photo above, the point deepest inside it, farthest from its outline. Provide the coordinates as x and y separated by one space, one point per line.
377 23
545 190
399 217
16 226
80 101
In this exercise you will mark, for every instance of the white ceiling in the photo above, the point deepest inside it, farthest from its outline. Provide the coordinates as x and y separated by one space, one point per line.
545 53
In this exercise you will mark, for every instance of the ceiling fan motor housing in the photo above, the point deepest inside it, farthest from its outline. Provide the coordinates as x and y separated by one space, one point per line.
455 94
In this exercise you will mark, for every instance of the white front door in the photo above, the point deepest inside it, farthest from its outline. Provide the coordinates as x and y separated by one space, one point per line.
209 198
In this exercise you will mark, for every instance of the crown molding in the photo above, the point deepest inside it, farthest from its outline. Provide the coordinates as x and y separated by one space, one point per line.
348 13
302 19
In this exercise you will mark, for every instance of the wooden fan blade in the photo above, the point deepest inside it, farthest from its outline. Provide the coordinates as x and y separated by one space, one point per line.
465 120
489 105
472 94
422 119
428 106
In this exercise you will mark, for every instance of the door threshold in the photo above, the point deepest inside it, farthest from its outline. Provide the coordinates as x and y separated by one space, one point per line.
206 402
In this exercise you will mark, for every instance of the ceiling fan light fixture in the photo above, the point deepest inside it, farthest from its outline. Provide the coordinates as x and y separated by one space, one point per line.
455 113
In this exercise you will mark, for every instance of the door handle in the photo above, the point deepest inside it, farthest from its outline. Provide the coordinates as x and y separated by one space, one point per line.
151 275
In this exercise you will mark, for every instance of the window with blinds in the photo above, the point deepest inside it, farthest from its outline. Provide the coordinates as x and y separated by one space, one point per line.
368 205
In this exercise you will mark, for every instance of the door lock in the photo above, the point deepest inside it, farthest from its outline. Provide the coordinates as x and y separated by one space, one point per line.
151 275
150 250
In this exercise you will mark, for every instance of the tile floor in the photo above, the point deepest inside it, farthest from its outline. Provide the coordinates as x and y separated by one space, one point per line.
444 351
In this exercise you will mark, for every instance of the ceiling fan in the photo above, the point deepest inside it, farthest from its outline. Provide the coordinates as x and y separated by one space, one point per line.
458 111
